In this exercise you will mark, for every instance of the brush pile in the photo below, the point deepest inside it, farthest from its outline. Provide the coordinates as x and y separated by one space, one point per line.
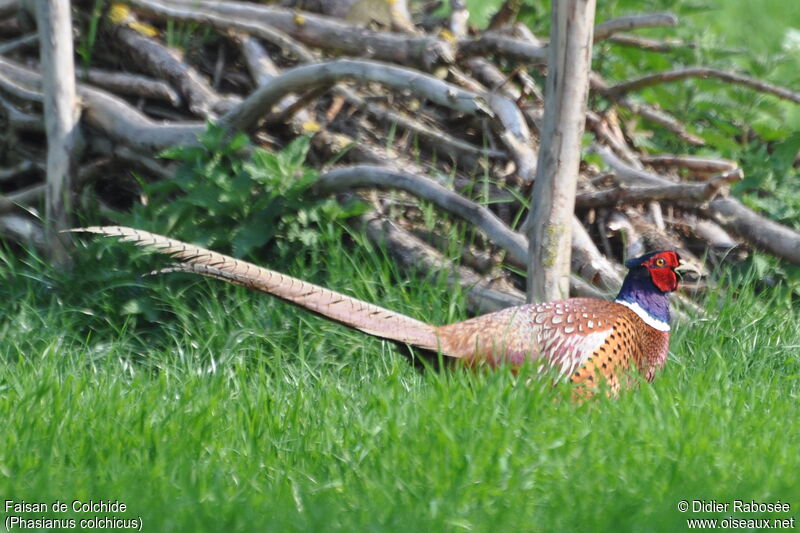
410 101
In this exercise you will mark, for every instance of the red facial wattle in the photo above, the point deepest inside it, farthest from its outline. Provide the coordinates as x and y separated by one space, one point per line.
664 278
662 270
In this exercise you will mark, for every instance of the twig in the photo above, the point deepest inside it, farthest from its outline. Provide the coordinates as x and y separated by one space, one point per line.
413 253
697 165
163 62
651 45
588 263
263 31
130 84
9 173
331 34
259 64
24 230
506 15
624 172
444 141
112 115
22 197
26 41
678 192
514 132
632 22
492 42
729 213
344 179
712 233
620 89
649 112
604 133
19 120
756 229
663 119
306 77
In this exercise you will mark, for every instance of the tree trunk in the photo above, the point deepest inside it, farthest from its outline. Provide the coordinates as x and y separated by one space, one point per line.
553 200
61 118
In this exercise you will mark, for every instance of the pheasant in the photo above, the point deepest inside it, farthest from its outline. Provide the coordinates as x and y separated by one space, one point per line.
586 339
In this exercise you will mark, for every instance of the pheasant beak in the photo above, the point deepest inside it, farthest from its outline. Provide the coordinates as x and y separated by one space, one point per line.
688 267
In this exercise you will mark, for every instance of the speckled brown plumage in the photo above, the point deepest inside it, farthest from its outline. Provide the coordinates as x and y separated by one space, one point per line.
583 338
586 339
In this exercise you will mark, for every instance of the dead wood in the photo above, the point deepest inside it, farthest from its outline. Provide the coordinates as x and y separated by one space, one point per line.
684 193
553 197
757 230
61 114
330 33
632 22
162 62
130 84
414 254
111 115
345 179
307 77
623 88
471 147
490 42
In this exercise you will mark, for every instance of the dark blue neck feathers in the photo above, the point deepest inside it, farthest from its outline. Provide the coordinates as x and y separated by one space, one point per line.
638 288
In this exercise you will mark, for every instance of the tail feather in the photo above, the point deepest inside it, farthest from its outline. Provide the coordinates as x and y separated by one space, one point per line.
361 315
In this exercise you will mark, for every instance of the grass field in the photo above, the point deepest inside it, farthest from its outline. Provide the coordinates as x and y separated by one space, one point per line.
229 410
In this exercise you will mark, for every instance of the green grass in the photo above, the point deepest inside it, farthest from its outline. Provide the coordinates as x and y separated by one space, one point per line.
228 410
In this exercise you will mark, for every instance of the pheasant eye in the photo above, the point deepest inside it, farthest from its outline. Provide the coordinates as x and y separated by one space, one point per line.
660 262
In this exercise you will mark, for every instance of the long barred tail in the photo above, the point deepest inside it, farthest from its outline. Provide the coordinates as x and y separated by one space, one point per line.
361 315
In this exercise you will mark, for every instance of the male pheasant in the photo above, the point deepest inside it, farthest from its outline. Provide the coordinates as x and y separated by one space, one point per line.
587 339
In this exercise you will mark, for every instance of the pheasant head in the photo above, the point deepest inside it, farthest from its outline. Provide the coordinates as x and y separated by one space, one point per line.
646 288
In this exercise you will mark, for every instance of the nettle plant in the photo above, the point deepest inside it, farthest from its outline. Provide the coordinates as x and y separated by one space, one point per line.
222 200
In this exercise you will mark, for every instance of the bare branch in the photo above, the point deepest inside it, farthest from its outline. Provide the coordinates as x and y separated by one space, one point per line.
678 192
492 42
632 22
701 72
663 119
344 179
624 172
306 77
112 115
696 165
263 31
514 132
22 197
649 112
163 62
444 141
19 120
26 41
413 253
756 229
651 45
130 84
12 172
330 33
